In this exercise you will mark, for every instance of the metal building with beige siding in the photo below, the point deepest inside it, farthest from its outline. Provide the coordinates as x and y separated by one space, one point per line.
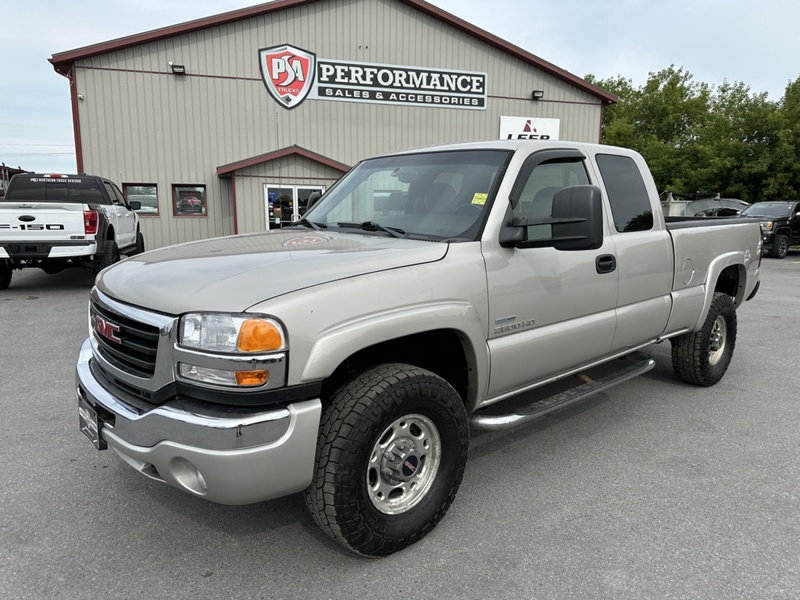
227 124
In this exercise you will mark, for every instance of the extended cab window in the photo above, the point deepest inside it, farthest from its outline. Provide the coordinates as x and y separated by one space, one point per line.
630 204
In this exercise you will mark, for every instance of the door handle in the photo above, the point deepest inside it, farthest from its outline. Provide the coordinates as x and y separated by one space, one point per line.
605 263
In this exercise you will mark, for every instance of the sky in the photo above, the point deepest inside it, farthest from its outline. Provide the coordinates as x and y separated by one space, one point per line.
715 40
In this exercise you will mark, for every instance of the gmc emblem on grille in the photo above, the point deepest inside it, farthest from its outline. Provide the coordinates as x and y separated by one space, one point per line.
106 329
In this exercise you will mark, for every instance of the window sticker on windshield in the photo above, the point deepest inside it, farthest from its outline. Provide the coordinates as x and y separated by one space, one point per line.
480 199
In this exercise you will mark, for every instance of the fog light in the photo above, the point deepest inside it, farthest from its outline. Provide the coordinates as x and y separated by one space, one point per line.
206 375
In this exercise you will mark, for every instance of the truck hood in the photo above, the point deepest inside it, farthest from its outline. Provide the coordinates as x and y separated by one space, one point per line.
233 273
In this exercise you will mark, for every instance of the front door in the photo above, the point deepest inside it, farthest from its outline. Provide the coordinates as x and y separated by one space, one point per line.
549 309
285 204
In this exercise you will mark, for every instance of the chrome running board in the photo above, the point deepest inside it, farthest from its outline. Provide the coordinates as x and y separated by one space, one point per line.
634 364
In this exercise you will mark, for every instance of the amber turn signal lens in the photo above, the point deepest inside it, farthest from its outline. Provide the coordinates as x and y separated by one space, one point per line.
259 336
252 377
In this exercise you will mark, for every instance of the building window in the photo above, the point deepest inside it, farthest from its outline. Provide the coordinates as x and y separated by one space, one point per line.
145 194
189 200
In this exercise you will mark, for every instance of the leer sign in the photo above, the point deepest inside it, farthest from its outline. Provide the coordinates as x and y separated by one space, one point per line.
529 128
293 74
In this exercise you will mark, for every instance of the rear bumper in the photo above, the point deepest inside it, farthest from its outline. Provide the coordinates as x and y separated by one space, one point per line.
228 455
33 250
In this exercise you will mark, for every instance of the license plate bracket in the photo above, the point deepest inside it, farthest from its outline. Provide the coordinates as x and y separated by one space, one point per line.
90 425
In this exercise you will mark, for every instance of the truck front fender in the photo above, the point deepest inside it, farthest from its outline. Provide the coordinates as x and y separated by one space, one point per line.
335 345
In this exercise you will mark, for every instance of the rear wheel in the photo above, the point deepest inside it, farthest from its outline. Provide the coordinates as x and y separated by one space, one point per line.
109 257
5 275
390 457
780 246
703 356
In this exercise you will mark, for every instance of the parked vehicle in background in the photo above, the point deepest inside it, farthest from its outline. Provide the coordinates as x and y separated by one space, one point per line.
703 207
54 221
347 355
148 203
780 225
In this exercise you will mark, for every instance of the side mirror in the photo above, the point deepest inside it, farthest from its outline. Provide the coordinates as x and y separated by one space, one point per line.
134 205
576 221
312 200
580 212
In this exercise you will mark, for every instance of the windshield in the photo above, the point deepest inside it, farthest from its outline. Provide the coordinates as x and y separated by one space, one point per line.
72 188
768 209
436 195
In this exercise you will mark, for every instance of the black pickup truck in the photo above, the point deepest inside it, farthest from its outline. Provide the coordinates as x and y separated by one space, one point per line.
780 225
54 221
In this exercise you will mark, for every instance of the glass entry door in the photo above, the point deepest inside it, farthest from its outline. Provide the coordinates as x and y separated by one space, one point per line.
286 203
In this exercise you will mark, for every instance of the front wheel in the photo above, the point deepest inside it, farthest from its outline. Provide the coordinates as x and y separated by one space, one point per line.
780 246
703 356
139 247
390 457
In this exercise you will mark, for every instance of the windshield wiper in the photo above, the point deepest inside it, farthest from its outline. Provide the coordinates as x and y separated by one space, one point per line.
373 226
311 224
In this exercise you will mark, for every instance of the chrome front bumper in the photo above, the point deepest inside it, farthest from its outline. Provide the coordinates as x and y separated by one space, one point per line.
224 454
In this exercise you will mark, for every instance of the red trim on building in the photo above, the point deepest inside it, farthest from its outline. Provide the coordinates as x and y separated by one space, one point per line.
64 61
233 202
228 170
76 121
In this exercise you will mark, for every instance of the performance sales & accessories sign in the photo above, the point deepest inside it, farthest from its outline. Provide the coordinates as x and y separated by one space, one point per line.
292 74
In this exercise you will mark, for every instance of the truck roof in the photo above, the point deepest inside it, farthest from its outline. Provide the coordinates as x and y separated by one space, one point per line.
513 145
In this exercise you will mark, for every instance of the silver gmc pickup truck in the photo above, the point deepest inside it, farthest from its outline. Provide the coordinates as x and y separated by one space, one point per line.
427 292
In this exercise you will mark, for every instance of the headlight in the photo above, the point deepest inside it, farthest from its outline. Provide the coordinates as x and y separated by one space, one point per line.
766 225
231 334
231 350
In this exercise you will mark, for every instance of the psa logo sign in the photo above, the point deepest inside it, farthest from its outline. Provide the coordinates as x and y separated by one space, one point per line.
288 73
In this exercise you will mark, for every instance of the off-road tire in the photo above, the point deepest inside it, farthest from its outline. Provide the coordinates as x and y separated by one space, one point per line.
342 497
780 246
5 276
703 356
109 257
139 246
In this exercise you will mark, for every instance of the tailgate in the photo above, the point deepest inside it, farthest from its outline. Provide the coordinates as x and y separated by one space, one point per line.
39 222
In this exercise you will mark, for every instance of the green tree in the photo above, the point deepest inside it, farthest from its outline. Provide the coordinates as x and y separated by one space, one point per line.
696 137
783 181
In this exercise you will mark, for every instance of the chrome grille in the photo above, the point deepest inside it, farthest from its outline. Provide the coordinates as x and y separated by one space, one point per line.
126 344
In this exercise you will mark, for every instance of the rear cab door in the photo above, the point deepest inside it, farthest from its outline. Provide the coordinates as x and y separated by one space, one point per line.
644 254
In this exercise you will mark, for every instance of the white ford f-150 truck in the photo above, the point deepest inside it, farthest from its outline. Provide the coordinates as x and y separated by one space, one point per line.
53 221
347 357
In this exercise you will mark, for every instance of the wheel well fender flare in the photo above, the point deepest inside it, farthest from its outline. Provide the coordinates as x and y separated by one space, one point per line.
334 346
739 261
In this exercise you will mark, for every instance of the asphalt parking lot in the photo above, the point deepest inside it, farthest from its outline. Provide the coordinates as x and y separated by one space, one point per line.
655 489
